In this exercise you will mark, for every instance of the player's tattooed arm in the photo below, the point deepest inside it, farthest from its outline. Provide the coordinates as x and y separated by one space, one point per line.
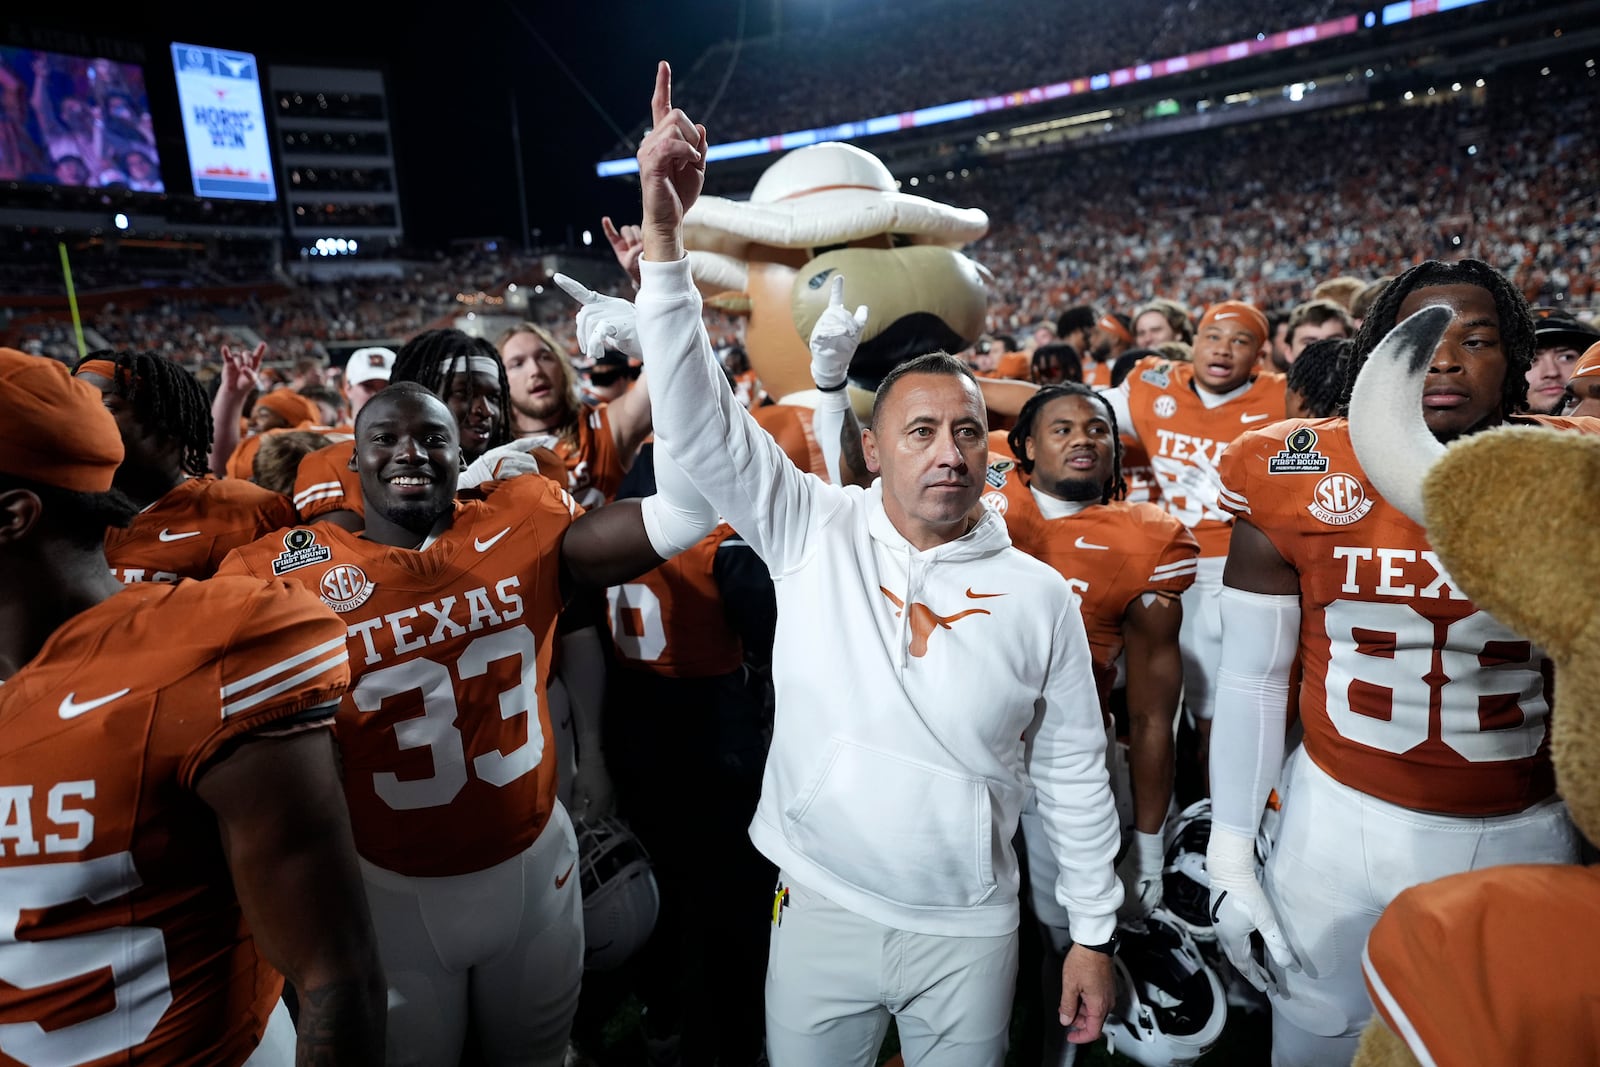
286 835
325 1039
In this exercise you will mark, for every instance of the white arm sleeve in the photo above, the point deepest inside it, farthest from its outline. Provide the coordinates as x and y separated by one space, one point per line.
1066 761
1260 637
676 516
735 464
828 425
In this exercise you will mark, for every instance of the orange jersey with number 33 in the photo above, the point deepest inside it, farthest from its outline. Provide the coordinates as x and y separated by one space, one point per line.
1410 693
445 732
121 940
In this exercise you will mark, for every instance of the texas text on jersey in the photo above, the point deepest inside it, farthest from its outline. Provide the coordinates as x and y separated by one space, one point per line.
1410 693
445 735
1185 439
188 532
1110 554
116 946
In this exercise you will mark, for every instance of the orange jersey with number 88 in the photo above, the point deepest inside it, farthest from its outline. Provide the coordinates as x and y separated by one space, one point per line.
1410 692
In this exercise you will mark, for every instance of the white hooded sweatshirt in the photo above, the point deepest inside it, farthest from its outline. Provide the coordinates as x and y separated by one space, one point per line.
918 692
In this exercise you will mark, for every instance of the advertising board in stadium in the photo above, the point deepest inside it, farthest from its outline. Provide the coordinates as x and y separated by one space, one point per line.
73 120
224 123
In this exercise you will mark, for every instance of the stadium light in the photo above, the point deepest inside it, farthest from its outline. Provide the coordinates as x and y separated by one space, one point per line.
352 246
120 221
588 238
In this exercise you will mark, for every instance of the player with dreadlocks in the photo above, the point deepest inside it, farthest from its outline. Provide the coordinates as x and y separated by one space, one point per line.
1062 502
463 371
1315 386
1426 748
188 520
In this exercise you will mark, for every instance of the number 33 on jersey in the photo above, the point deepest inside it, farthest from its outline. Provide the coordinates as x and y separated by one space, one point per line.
444 732
1410 693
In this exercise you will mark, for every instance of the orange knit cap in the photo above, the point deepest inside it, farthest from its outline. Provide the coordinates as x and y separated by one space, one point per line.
54 430
1237 313
290 406
1588 364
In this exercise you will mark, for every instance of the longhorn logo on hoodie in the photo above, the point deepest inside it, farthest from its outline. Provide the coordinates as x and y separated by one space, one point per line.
924 621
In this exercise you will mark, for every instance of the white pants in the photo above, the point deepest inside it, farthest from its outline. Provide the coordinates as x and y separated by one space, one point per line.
1200 637
1341 856
501 947
834 978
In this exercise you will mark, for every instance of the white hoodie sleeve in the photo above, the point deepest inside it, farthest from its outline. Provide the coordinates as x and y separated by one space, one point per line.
1066 754
734 463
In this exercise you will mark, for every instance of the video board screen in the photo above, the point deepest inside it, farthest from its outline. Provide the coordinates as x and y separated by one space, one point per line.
224 124
70 120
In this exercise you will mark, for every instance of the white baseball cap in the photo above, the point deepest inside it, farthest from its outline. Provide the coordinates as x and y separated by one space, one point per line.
368 364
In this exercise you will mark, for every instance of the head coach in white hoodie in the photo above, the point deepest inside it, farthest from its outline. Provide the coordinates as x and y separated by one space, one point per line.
927 675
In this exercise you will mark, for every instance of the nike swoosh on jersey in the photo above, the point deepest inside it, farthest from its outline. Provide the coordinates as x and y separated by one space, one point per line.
981 596
1081 543
71 707
1254 418
168 535
483 546
562 880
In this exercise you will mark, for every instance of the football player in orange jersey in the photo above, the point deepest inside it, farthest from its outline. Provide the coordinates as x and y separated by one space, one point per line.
597 443
188 521
1129 563
171 827
463 371
449 770
1426 747
1184 415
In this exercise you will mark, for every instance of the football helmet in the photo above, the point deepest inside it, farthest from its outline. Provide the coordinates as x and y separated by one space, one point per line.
620 898
1170 1007
1186 888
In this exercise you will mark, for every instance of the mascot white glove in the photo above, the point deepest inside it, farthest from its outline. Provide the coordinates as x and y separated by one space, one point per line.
1240 910
1140 871
507 461
834 338
603 321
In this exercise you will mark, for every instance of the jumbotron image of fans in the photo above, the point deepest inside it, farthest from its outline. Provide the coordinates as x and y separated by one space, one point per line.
804 533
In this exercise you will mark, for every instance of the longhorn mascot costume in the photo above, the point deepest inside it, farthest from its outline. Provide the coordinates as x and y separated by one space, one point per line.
1496 966
829 209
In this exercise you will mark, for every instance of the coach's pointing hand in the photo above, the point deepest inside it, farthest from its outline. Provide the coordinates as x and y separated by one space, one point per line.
672 170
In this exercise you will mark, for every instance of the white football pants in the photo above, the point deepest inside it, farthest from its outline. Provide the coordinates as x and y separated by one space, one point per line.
500 950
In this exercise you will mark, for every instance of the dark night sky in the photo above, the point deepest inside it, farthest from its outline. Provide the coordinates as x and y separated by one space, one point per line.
451 70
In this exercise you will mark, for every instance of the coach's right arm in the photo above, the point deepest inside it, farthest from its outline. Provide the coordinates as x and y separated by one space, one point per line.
733 462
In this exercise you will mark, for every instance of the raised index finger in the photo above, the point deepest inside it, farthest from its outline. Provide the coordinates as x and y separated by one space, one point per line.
661 102
836 292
